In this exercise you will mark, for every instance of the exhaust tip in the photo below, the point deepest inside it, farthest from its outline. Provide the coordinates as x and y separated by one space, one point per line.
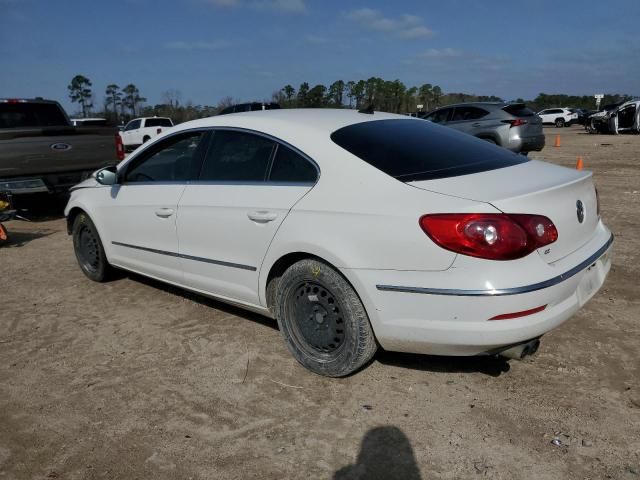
522 350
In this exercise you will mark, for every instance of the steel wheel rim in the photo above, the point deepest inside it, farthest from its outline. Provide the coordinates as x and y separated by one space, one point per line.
88 249
318 324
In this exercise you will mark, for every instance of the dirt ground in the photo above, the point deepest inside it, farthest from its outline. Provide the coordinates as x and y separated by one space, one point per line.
133 379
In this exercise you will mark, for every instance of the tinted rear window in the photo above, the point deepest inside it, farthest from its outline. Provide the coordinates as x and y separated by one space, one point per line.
519 110
158 122
25 115
412 150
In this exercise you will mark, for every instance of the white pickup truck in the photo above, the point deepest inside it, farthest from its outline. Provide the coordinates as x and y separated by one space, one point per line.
139 130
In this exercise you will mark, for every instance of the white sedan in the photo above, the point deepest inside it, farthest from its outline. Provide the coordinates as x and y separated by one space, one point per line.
354 230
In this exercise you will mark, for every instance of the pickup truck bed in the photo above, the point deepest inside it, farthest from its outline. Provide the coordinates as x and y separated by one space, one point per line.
48 158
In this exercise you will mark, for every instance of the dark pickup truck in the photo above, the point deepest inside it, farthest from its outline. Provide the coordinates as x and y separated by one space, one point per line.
41 152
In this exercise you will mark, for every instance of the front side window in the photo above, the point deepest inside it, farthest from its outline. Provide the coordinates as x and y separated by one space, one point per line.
169 161
132 125
237 157
290 167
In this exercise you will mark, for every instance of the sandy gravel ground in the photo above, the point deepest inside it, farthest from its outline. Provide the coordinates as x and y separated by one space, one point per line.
132 379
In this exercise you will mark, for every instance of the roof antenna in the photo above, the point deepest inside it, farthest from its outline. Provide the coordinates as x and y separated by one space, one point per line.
368 109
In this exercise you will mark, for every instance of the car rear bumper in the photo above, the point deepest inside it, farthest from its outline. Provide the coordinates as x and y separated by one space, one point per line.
419 318
533 143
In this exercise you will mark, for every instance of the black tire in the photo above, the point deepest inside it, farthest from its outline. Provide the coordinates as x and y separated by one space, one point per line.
559 122
145 139
490 140
322 320
89 250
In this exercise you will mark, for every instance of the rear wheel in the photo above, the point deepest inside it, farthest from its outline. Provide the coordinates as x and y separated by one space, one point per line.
88 249
559 122
322 320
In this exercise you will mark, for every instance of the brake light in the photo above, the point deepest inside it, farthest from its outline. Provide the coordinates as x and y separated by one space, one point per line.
158 131
119 147
491 236
516 123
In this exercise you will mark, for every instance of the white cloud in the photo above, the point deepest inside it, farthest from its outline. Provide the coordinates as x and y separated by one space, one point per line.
285 6
404 26
200 45
440 53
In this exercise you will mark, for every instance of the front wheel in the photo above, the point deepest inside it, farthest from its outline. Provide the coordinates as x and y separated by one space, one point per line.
322 320
88 249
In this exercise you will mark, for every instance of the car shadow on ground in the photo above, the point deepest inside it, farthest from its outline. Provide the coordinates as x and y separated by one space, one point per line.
488 365
492 366
385 453
201 299
21 238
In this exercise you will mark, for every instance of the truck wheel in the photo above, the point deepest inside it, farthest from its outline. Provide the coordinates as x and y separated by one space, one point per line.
145 139
559 122
322 320
88 249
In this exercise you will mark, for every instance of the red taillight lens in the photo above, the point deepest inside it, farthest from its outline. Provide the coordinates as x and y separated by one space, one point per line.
119 147
487 235
516 123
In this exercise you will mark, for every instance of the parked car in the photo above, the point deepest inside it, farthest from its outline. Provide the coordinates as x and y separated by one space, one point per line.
598 122
625 118
510 125
583 115
353 230
560 117
249 107
40 151
141 130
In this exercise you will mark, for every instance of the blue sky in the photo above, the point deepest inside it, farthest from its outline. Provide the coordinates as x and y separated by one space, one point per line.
247 49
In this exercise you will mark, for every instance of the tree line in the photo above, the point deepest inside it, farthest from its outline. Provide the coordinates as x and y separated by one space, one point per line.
121 104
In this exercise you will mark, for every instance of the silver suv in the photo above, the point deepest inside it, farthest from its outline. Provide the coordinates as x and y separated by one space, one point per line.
510 125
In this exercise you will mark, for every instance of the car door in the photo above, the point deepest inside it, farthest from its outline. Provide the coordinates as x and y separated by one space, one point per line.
544 115
227 219
140 214
467 119
128 134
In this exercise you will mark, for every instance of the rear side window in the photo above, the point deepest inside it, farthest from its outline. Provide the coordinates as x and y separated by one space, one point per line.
157 122
519 110
25 115
290 167
468 113
237 157
412 150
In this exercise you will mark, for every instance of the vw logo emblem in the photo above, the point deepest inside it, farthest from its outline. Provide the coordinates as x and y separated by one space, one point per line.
580 211
60 146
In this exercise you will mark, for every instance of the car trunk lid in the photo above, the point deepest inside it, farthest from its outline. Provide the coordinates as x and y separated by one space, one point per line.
561 194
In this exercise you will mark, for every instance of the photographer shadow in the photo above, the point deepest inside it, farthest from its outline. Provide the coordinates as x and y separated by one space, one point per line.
385 454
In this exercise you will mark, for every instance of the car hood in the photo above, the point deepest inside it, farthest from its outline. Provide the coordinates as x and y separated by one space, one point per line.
90 182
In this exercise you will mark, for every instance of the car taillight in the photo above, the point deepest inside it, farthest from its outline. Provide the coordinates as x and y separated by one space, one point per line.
119 147
516 123
158 131
493 236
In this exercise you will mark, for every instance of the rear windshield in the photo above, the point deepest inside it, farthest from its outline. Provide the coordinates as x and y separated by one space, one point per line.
158 122
519 110
412 150
25 115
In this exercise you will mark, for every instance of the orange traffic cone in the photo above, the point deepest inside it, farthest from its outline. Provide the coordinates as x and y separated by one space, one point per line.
579 164
557 144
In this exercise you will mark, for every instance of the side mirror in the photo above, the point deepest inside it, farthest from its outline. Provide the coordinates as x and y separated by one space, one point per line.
107 176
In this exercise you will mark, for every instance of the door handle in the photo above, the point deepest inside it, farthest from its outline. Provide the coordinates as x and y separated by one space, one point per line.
262 216
164 212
